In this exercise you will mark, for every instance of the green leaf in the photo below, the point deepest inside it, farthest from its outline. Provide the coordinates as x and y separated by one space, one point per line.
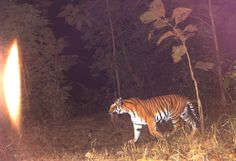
157 10
164 36
190 28
149 16
206 66
189 31
177 53
158 6
180 14
159 24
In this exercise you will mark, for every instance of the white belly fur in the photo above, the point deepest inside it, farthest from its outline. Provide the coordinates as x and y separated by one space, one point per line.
136 119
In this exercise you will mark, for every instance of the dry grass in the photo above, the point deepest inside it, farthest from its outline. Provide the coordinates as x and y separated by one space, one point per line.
94 138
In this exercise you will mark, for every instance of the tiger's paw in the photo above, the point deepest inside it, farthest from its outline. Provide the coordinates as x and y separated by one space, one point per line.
131 141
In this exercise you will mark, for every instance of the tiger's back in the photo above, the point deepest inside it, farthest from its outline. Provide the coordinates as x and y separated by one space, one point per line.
171 103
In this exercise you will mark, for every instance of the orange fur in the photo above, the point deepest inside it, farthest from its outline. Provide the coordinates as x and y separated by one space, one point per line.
147 108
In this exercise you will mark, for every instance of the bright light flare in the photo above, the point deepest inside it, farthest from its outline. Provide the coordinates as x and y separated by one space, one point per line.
12 85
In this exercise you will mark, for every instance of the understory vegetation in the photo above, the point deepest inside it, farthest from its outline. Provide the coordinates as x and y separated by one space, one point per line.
95 138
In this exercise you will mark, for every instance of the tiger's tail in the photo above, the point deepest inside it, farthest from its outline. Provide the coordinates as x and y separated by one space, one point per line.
193 111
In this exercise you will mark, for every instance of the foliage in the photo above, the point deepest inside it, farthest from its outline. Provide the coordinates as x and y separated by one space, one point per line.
132 49
213 18
157 17
206 66
135 59
177 53
92 99
74 16
45 91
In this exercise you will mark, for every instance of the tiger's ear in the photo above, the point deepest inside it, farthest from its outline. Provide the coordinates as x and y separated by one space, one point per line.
119 100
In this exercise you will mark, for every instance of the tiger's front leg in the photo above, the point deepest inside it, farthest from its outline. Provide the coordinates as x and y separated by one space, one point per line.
137 131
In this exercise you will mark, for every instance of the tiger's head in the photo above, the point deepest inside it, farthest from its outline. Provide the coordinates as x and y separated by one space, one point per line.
116 108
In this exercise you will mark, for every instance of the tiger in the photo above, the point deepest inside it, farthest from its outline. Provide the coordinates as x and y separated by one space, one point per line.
156 110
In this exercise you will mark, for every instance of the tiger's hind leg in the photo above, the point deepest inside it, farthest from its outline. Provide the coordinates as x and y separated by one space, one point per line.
176 125
190 120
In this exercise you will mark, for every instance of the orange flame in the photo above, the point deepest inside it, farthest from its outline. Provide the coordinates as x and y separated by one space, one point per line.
12 85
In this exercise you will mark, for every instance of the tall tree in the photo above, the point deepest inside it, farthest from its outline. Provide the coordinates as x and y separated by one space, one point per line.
113 47
217 53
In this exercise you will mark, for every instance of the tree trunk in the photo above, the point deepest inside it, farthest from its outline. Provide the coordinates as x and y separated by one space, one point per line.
217 53
114 48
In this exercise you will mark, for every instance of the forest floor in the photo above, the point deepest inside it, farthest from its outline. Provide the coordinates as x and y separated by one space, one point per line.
95 138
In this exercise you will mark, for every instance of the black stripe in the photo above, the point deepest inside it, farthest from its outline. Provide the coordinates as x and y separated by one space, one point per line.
138 124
